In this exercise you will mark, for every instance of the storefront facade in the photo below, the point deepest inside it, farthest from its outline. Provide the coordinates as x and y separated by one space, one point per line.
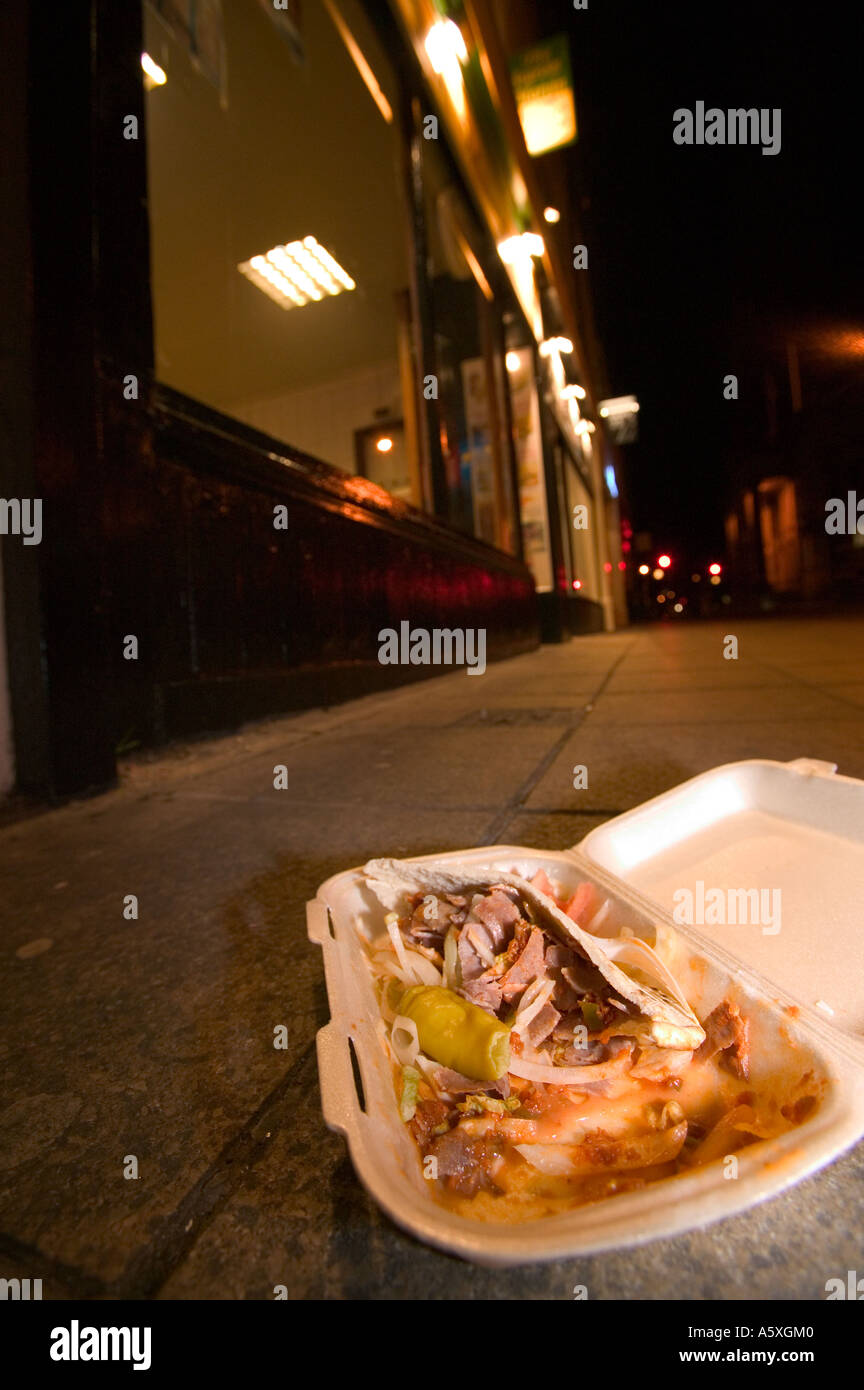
286 388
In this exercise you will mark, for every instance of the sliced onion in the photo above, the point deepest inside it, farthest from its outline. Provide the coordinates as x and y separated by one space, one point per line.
540 991
391 921
554 1159
425 973
631 1152
388 1009
565 1076
480 946
404 1040
530 994
451 959
386 965
601 914
384 1034
429 1068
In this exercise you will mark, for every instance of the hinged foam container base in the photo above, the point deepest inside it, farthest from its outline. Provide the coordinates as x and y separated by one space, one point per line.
750 824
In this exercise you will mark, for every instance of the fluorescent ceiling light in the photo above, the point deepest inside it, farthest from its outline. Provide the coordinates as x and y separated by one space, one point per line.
296 273
154 76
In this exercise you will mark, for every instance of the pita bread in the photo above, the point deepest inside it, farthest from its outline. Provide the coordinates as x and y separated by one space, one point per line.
674 1023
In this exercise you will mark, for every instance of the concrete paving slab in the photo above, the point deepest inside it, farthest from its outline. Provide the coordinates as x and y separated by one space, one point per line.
300 1219
644 760
716 706
154 1037
447 768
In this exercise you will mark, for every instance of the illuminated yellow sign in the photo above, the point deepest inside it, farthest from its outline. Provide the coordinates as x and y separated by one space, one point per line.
543 87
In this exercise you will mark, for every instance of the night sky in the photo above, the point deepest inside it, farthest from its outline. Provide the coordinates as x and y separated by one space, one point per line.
696 253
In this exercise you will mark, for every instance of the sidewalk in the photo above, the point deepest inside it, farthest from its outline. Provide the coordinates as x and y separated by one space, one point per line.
154 1037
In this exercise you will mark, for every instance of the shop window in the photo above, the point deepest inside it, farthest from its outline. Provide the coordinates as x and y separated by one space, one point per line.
278 226
471 411
528 444
582 542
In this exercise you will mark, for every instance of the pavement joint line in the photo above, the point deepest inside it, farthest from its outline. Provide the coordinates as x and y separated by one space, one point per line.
342 805
568 811
687 688
152 1265
708 722
456 810
334 716
41 1266
822 690
500 822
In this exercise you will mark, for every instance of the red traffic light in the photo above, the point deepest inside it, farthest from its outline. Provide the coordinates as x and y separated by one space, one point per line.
714 569
663 562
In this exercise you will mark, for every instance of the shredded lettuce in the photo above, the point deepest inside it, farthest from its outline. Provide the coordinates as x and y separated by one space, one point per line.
477 1104
408 1103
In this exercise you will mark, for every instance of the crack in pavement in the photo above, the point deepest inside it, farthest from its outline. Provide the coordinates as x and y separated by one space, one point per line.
153 1264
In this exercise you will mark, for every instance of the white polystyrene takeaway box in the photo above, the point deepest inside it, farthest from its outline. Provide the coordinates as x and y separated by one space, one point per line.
796 828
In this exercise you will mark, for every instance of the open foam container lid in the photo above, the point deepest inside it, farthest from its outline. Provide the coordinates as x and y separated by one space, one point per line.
794 833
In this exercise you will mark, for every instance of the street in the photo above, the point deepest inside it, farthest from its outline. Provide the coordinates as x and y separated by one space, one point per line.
149 1037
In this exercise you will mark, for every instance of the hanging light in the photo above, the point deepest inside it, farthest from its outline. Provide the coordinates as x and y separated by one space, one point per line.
521 247
550 345
154 76
445 45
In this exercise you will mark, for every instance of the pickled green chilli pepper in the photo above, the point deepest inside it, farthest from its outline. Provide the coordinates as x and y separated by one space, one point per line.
457 1033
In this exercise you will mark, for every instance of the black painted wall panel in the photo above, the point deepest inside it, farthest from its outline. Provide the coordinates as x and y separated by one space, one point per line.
236 619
